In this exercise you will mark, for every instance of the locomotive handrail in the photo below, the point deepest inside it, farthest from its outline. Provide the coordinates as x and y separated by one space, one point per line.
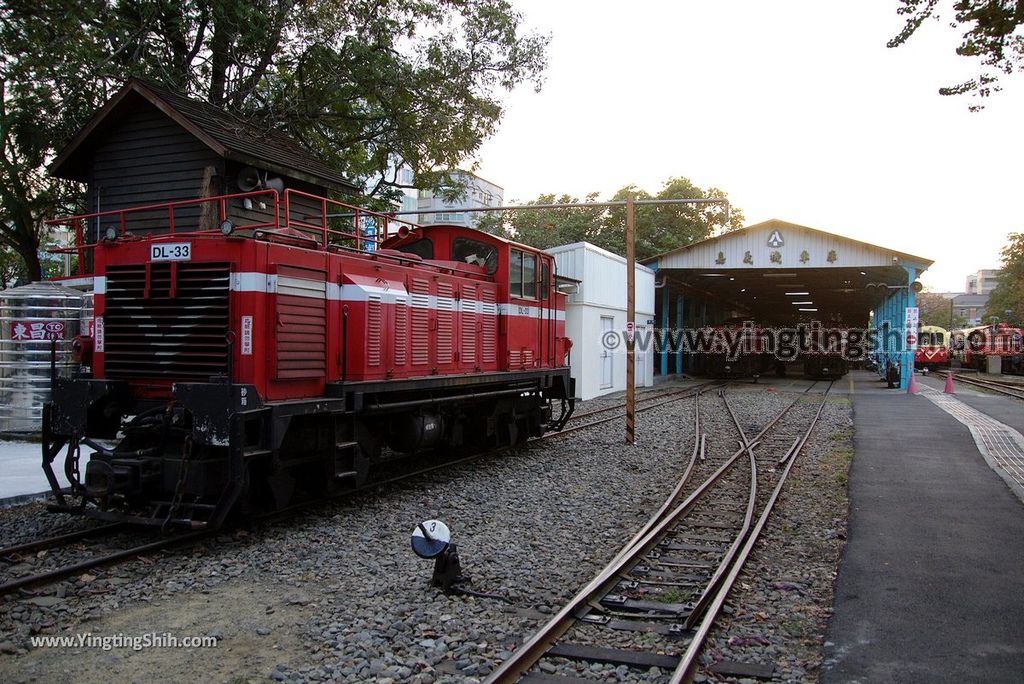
81 245
325 231
321 230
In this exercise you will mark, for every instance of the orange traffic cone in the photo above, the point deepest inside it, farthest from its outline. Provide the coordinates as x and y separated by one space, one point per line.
949 383
912 385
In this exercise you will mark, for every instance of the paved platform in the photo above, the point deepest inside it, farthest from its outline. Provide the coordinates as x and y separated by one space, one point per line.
930 587
1004 409
21 470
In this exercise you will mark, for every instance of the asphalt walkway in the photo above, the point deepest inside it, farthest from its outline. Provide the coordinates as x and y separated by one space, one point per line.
931 584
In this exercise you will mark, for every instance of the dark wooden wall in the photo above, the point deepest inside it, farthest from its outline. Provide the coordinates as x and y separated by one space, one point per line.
147 159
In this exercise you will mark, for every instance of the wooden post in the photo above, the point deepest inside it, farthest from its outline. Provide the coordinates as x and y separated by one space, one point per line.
630 322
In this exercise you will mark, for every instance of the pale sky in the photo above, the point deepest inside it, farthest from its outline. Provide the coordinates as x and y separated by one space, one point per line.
797 109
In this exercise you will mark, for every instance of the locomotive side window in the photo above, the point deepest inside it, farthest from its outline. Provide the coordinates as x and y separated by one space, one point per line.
545 277
475 252
530 276
422 248
515 273
522 274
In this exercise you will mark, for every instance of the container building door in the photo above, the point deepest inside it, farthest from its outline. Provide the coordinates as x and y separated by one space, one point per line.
607 325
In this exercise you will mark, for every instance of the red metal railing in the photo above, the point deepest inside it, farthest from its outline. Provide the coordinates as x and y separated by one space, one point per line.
347 213
139 213
319 225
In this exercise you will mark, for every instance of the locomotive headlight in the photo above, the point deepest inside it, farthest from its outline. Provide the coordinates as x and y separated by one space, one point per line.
110 234
227 227
81 350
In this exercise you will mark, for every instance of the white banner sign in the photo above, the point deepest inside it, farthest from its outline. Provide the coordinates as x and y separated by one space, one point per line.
911 321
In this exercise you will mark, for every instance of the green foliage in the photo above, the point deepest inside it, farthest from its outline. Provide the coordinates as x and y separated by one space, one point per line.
546 228
659 228
1008 296
12 267
991 33
937 310
368 85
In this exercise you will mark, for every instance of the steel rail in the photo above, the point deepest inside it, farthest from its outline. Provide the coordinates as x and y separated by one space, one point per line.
58 540
685 394
687 661
651 395
1006 388
74 568
723 566
68 570
696 454
602 421
537 645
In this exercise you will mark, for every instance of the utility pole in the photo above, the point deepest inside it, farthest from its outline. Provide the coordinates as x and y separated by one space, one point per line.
630 323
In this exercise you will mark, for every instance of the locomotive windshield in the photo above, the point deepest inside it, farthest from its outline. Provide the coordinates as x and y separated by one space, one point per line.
474 252
422 248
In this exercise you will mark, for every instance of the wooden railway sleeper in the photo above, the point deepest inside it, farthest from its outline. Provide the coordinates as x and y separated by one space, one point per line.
671 629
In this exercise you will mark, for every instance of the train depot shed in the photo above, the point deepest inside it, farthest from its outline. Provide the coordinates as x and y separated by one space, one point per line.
781 274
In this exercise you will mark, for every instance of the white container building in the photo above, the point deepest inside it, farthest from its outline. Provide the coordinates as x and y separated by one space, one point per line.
595 318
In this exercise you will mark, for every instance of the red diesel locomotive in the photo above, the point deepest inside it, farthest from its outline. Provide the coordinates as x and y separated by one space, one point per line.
978 344
242 369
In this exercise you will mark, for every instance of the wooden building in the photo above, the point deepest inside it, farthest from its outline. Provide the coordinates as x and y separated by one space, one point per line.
149 145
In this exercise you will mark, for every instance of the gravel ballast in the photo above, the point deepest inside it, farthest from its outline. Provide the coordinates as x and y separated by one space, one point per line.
532 526
338 595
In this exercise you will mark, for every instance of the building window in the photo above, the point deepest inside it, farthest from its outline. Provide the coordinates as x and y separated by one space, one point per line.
449 217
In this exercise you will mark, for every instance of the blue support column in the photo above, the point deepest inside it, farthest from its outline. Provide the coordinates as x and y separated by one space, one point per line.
891 347
679 326
883 325
691 318
901 311
910 299
877 322
664 326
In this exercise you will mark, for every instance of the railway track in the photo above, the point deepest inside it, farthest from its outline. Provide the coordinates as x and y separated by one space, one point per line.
653 605
101 556
1009 389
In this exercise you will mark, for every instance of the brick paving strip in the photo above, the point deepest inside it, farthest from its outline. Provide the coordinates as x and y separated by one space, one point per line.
1000 444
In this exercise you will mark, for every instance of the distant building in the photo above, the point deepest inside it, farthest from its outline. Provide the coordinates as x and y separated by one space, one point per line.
405 178
971 307
478 193
983 282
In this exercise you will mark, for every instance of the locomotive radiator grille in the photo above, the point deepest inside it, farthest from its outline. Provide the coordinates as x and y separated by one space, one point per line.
179 337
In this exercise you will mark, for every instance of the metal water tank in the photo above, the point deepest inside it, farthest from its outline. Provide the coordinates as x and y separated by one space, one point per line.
31 317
